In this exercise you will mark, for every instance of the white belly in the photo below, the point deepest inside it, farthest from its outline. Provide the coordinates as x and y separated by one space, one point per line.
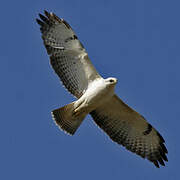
96 94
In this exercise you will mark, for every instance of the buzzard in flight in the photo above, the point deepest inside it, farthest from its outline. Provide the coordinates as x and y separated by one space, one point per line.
95 95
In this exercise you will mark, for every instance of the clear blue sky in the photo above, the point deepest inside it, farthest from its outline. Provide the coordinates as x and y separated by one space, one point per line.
136 41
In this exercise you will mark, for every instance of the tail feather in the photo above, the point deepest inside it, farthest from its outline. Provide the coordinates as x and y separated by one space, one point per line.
65 119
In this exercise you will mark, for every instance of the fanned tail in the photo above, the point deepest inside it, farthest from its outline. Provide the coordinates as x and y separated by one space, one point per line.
66 120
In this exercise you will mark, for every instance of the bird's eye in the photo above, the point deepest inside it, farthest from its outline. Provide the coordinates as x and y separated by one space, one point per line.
111 80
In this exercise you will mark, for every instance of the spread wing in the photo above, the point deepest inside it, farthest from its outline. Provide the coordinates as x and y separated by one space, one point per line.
128 128
67 55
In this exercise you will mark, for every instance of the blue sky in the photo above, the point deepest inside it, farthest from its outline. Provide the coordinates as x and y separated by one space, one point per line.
136 41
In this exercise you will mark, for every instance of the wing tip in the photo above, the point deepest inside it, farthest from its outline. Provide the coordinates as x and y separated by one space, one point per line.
47 13
159 156
51 18
156 164
39 22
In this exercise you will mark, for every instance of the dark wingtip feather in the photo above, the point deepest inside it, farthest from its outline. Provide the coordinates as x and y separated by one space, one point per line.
39 22
47 13
164 148
161 138
44 18
156 164
161 161
163 155
57 18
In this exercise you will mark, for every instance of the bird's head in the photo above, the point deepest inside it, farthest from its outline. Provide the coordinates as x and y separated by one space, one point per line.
111 81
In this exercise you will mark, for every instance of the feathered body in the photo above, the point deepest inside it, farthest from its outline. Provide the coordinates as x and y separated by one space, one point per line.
95 95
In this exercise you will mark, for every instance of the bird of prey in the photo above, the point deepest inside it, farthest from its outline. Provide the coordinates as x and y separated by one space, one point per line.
95 95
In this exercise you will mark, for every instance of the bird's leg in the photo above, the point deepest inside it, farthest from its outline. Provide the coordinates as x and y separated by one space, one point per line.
76 112
78 107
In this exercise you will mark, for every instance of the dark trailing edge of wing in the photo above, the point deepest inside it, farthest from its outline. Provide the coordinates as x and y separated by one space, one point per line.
157 157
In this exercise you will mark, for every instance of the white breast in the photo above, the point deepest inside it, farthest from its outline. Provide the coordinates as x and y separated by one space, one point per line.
97 93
